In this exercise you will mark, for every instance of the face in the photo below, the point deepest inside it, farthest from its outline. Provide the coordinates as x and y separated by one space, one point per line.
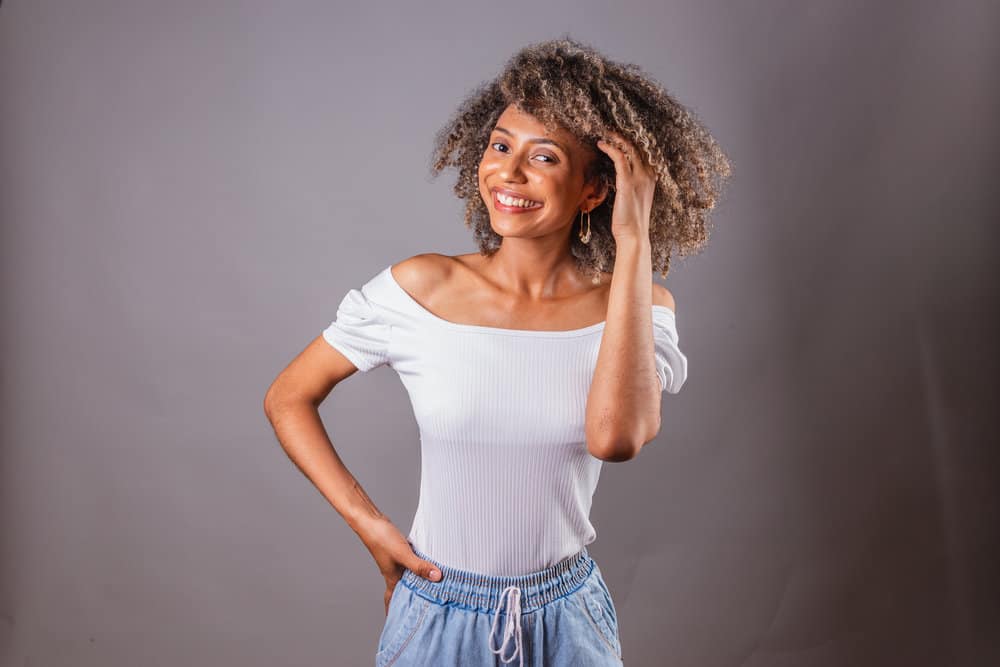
524 161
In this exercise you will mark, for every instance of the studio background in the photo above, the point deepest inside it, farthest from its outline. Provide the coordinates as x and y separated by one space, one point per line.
188 189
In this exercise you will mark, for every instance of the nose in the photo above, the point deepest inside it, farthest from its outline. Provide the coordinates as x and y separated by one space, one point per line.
511 169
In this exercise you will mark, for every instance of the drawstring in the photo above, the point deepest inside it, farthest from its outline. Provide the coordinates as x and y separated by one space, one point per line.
512 623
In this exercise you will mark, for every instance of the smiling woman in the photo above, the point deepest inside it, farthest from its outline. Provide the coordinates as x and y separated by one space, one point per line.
530 169
577 96
525 377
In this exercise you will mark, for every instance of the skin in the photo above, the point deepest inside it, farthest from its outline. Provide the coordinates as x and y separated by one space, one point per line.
531 282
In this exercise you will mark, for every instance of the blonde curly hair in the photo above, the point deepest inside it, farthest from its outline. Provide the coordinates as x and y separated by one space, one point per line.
565 83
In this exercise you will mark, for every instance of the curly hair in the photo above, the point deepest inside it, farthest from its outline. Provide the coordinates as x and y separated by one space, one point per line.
565 83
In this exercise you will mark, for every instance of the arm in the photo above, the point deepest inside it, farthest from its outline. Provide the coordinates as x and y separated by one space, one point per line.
623 405
292 406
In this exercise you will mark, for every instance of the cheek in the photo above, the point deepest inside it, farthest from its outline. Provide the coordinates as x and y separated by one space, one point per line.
556 187
484 191
487 167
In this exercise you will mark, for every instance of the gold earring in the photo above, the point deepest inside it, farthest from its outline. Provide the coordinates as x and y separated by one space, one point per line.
584 237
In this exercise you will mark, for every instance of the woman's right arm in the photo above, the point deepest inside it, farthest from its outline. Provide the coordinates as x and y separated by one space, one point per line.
292 406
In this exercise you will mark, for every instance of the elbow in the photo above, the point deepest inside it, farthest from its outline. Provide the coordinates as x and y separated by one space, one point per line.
615 451
271 399
281 399
269 405
274 400
624 447
279 410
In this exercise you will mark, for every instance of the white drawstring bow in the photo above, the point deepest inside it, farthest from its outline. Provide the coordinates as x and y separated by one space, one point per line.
512 624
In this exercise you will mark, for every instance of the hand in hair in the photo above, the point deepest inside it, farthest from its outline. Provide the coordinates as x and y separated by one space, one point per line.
634 185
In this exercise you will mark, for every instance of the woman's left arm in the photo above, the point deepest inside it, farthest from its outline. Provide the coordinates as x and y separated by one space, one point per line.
623 406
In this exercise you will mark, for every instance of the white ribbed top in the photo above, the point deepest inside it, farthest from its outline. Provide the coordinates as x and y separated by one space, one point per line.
506 481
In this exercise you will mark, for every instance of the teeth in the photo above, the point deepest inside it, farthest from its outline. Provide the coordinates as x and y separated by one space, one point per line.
510 201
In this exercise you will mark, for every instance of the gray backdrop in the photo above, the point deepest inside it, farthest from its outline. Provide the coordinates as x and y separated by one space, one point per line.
188 189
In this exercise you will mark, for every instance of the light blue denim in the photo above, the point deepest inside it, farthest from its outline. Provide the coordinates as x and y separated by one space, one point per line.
560 616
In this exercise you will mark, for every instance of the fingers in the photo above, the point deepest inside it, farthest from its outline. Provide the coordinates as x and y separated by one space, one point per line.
620 155
427 570
423 568
621 150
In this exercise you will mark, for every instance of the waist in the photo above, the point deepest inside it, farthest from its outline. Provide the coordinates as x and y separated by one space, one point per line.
482 592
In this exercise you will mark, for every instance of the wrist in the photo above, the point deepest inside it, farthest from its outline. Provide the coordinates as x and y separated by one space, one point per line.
632 245
365 524
362 514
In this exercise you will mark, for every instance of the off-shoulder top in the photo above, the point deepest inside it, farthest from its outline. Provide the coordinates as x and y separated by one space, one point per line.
506 481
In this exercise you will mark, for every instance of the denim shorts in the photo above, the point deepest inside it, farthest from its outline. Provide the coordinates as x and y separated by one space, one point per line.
560 616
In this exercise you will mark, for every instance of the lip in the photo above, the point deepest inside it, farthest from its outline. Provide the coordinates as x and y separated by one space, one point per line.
500 206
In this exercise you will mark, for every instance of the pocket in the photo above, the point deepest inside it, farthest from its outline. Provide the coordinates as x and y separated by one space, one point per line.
601 614
406 614
609 602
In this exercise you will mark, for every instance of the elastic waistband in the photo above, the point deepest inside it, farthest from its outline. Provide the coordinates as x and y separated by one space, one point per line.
482 592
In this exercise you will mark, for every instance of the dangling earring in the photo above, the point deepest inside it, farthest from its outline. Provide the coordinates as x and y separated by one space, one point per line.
584 236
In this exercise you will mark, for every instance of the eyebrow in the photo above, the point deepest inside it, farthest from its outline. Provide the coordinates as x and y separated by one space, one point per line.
534 140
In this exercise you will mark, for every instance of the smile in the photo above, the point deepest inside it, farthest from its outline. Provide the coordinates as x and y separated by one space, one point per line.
505 203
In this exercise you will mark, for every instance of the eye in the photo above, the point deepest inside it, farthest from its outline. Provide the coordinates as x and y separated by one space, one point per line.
548 158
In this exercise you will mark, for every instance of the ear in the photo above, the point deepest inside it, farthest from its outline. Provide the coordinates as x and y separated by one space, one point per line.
596 192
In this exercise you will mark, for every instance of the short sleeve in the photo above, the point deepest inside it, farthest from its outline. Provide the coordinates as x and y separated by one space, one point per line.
671 364
359 331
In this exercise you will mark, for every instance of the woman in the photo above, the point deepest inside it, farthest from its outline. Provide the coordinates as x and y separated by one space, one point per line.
528 364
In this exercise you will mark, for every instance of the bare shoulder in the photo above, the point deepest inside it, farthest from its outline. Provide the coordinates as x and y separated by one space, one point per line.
663 297
421 273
